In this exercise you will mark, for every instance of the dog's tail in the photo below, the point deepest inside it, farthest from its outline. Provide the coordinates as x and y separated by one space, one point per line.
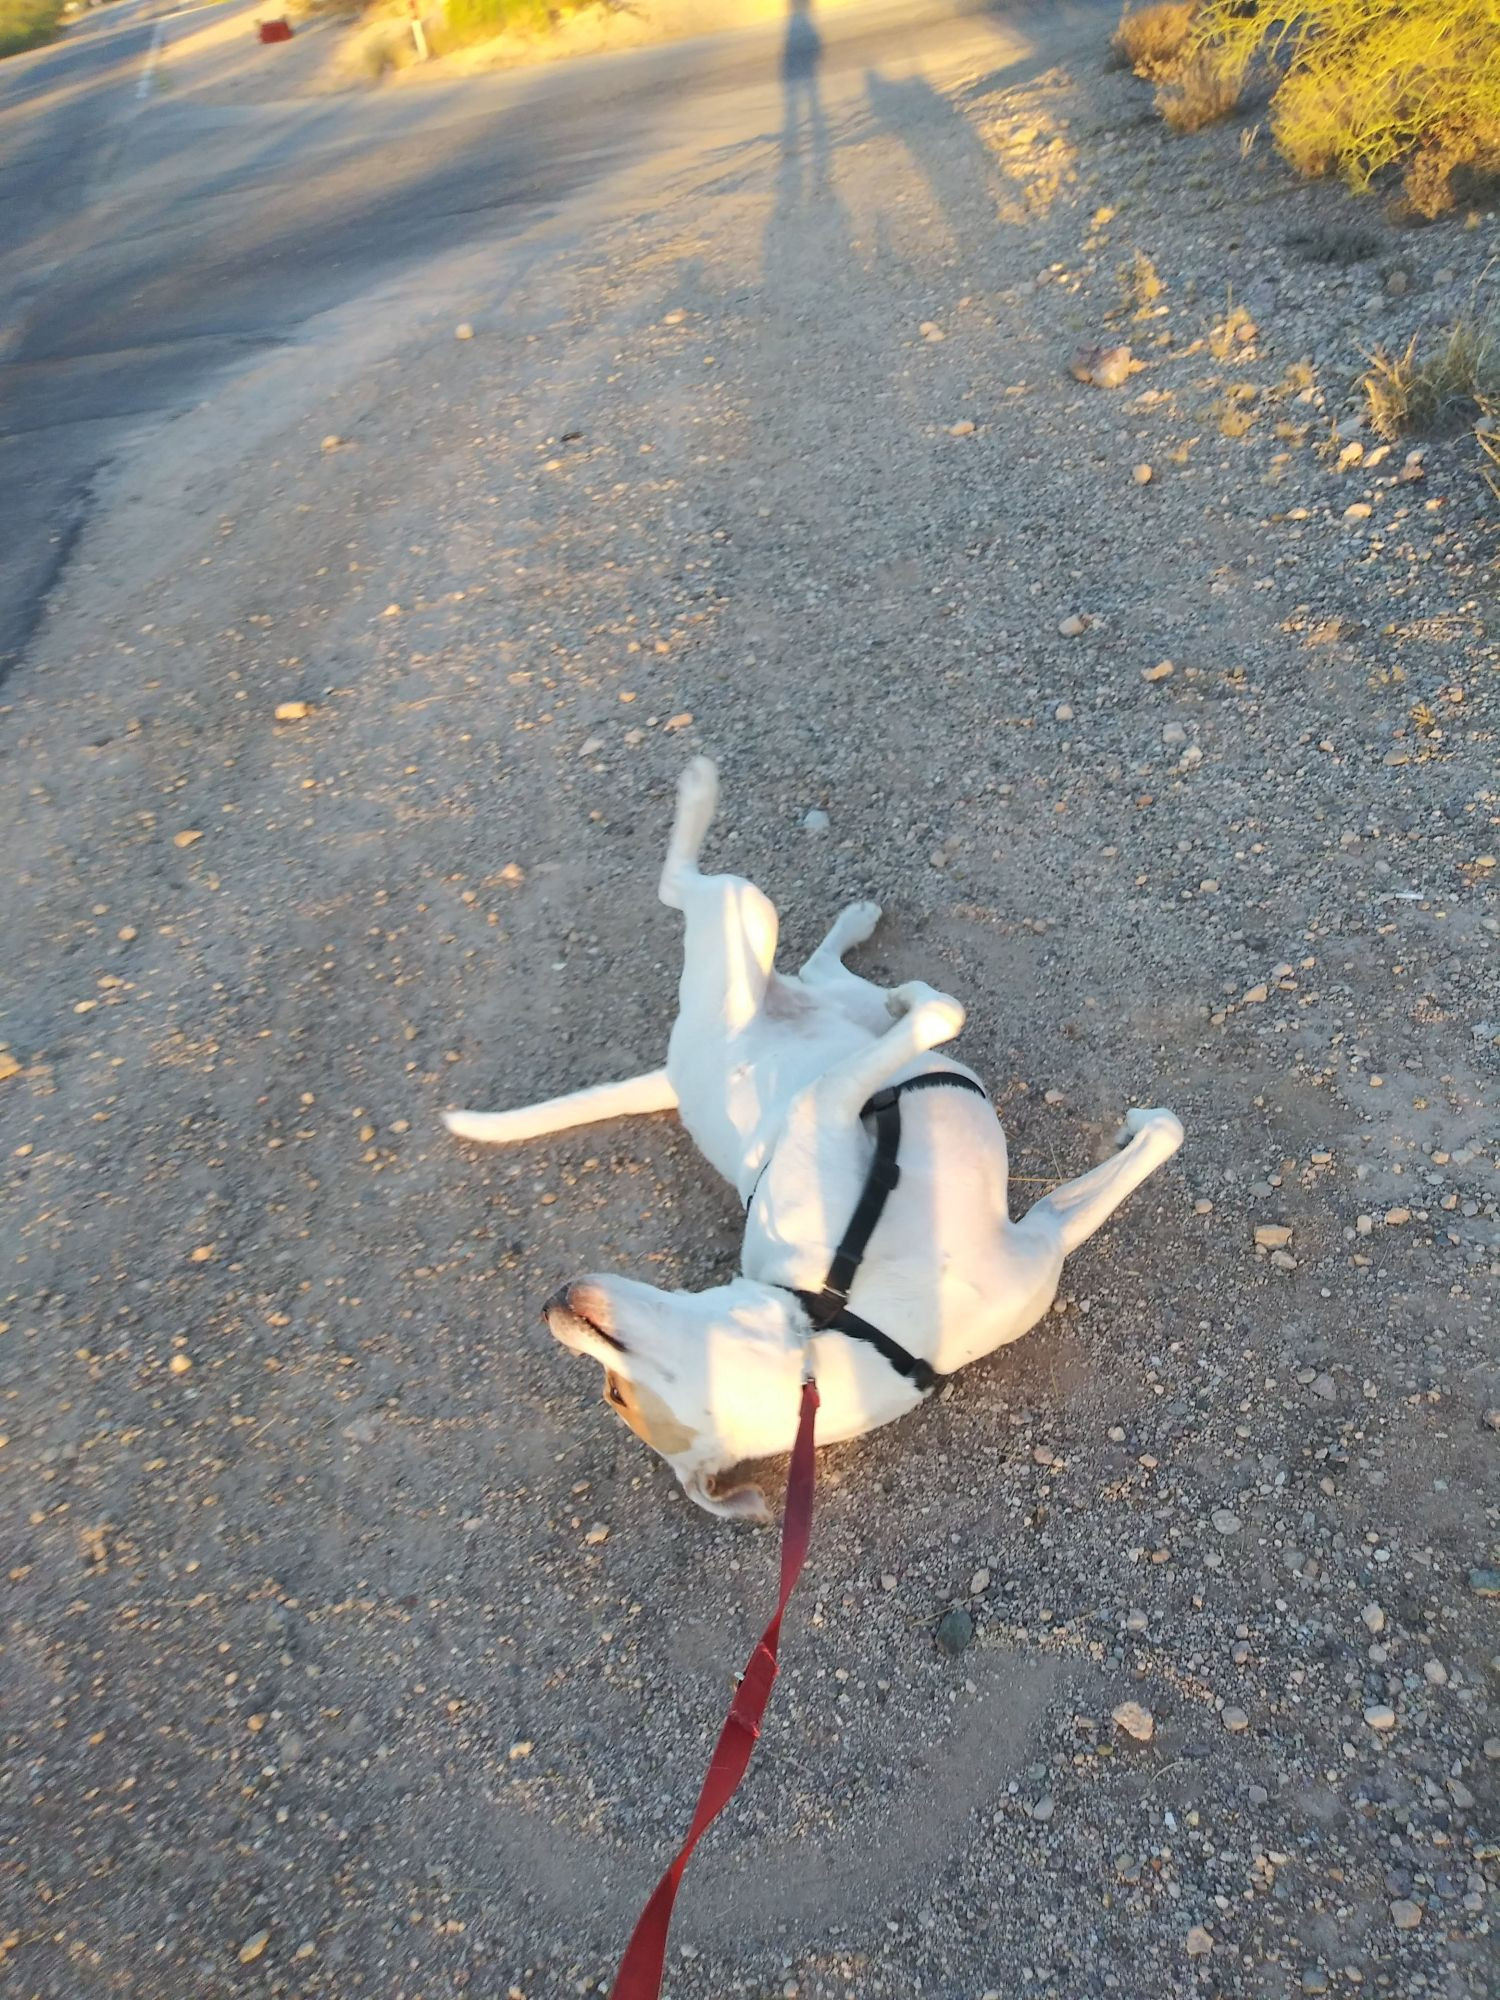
635 1095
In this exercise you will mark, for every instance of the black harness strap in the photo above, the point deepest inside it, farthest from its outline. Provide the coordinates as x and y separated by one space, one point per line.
829 1309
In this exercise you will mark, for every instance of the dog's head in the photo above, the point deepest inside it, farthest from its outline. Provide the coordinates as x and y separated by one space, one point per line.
705 1378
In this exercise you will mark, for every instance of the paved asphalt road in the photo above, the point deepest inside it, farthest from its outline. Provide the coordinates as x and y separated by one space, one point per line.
149 237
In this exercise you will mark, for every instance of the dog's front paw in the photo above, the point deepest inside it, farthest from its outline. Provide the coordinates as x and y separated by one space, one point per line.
936 1017
1164 1125
903 1000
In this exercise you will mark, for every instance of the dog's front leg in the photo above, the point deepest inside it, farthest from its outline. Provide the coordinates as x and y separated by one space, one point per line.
926 1019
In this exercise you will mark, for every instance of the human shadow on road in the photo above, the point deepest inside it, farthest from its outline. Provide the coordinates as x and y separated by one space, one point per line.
958 167
804 132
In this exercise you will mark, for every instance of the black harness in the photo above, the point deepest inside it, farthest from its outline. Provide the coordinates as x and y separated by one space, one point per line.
829 1309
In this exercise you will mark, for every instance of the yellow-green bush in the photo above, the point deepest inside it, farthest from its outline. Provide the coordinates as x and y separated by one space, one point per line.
26 24
1365 85
473 20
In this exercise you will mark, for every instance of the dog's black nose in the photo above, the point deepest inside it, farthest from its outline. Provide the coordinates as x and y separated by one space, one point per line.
558 1302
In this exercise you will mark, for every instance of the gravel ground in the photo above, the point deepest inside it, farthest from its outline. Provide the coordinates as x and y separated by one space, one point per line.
351 1647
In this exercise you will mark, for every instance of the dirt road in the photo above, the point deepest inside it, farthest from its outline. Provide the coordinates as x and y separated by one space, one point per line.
351 1646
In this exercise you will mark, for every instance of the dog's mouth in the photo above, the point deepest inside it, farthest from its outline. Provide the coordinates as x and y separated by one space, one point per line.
563 1317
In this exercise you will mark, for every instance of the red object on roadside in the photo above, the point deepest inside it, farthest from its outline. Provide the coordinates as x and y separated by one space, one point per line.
640 1973
275 31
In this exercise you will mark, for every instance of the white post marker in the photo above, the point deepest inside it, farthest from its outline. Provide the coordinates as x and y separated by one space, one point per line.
148 67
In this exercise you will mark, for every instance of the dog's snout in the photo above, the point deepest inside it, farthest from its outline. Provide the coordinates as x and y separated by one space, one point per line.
580 1303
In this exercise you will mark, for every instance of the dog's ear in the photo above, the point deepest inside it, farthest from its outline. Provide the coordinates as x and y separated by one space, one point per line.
647 1415
737 1503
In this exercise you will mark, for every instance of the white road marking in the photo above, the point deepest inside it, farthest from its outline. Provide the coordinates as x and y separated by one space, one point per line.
148 68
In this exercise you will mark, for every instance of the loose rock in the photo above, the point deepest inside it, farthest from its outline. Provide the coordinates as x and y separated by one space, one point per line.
955 1630
1136 1722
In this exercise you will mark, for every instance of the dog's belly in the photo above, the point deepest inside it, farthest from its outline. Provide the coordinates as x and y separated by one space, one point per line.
733 1090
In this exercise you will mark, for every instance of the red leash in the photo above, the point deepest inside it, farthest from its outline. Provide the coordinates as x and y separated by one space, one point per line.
640 1973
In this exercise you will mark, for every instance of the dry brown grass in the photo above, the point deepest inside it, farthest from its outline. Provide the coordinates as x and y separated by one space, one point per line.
1199 90
1450 386
1151 39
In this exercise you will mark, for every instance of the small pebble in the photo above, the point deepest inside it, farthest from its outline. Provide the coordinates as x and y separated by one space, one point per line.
1137 1722
1380 1715
1405 1914
463 331
1141 474
955 1630
1073 625
1374 1617
979 1582
1199 1942
1062 713
816 821
1226 1522
252 1948
1234 1720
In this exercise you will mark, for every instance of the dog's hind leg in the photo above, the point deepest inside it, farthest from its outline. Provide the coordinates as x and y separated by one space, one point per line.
1072 1212
697 802
635 1095
730 947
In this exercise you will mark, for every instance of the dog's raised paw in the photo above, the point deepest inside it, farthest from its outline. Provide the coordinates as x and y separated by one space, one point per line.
937 1017
1151 1118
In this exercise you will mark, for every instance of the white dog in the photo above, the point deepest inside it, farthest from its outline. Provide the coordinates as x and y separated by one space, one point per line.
773 1077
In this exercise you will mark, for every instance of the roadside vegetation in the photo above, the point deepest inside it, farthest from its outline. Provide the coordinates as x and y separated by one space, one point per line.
27 24
1447 384
1400 96
382 38
1365 89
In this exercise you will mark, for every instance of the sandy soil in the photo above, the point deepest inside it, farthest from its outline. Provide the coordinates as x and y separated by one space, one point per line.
320 1675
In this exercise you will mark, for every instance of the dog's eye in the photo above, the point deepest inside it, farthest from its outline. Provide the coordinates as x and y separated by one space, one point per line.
612 1393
